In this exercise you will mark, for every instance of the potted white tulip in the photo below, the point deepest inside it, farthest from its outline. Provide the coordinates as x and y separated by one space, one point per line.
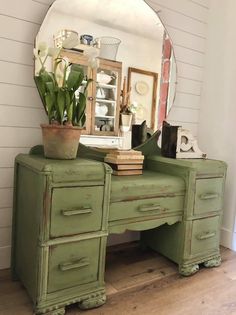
63 94
126 109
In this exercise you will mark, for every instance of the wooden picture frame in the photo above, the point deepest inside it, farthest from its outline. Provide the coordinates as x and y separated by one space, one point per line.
140 88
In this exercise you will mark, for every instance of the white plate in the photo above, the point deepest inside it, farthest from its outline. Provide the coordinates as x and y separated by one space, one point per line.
141 87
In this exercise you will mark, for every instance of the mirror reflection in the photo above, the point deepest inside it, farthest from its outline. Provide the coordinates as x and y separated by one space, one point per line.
123 47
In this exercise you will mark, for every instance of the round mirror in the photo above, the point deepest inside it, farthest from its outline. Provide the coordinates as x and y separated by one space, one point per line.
134 75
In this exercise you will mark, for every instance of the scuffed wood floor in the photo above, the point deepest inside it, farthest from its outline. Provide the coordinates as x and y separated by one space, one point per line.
145 283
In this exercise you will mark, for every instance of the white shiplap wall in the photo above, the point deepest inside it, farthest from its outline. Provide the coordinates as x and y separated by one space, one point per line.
20 108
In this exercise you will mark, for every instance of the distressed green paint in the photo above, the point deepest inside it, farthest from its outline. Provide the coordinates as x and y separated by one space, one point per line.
180 242
28 219
73 264
159 207
146 223
72 215
150 184
205 235
64 210
209 195
44 246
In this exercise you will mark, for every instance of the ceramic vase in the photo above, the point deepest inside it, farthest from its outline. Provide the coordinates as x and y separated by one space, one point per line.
126 120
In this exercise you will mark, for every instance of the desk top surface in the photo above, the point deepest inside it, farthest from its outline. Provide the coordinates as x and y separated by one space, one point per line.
149 184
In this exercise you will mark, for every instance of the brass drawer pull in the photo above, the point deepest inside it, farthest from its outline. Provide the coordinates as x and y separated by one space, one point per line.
150 208
205 236
69 213
208 196
83 262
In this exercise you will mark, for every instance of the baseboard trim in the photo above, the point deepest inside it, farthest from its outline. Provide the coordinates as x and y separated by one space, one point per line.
5 257
226 238
234 242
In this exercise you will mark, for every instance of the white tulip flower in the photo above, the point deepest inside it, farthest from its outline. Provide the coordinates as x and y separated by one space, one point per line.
53 52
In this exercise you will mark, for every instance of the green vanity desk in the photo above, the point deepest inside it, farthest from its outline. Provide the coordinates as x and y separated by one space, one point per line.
64 211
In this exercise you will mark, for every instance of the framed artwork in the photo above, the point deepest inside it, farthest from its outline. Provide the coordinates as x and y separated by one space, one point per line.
142 85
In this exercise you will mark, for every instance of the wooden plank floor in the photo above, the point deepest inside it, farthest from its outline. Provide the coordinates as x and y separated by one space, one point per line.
143 283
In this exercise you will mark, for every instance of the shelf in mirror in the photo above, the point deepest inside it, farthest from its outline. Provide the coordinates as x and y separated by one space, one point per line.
101 100
104 116
106 86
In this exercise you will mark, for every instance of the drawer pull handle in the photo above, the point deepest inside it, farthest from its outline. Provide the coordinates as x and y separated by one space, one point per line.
209 196
205 236
150 208
83 262
68 213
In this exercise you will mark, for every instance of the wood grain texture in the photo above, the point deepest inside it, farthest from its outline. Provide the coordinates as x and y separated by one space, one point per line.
127 172
71 212
157 286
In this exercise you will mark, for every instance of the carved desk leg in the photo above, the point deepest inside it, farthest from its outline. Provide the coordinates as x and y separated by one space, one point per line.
214 262
95 300
188 270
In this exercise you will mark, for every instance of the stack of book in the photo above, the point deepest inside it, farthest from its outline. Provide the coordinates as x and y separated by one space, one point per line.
125 162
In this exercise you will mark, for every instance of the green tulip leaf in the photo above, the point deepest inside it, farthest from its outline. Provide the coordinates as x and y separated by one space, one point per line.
49 105
72 80
51 89
69 106
81 106
61 104
41 89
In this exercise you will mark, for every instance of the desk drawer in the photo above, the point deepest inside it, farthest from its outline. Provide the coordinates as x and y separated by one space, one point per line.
73 264
145 207
76 210
205 235
208 197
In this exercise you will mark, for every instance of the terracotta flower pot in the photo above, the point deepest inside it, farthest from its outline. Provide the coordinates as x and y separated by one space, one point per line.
60 142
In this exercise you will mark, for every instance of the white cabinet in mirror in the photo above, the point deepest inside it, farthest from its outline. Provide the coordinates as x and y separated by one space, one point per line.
128 34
